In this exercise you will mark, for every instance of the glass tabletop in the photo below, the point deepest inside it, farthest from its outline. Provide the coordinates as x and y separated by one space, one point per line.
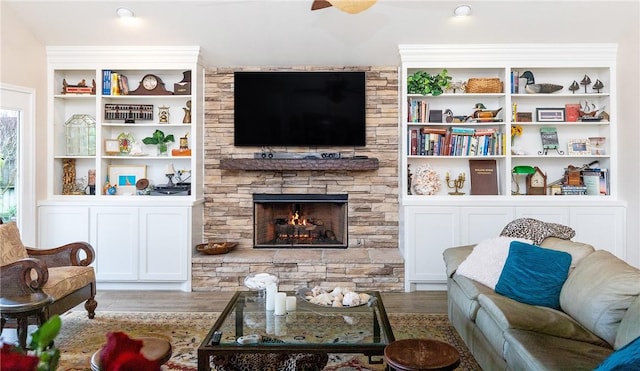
362 329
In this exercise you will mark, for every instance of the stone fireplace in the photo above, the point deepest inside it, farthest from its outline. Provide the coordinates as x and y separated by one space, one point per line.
300 221
372 260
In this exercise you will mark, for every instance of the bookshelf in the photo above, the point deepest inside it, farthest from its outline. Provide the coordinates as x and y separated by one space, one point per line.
470 126
142 223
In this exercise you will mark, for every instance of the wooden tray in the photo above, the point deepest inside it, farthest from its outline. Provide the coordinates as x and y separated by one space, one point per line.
216 248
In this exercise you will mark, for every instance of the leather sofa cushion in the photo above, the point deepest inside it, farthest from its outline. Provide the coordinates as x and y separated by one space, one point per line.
510 314
464 292
629 326
11 247
453 256
578 250
528 350
599 291
65 280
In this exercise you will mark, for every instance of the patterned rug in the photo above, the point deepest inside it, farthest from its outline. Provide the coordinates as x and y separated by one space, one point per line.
81 337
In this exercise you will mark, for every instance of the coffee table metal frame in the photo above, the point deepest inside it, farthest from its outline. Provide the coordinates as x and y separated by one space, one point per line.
382 334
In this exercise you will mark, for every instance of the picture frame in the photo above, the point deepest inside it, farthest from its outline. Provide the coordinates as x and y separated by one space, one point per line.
124 177
549 138
579 147
550 114
111 147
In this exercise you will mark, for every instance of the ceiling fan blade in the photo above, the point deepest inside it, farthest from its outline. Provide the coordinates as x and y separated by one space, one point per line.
320 4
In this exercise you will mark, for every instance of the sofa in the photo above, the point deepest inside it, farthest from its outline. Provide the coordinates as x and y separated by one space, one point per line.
597 313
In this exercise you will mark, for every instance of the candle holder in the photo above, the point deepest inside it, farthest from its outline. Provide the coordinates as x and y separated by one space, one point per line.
458 183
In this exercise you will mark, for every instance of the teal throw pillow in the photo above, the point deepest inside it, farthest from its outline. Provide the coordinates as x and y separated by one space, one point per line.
534 275
626 358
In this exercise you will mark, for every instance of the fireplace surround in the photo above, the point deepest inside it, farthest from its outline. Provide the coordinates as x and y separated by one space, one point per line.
300 221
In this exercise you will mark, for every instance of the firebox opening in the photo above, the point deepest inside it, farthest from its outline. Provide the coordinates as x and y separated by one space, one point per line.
300 221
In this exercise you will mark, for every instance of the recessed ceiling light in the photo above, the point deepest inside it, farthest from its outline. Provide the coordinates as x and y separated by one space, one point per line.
124 13
462 10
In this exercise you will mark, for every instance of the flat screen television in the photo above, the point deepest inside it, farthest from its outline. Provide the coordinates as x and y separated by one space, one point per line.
299 108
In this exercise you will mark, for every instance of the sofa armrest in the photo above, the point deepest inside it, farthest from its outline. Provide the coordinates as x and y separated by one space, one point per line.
74 254
23 277
453 256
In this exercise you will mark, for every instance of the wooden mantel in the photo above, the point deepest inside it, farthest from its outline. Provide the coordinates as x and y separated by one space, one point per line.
277 164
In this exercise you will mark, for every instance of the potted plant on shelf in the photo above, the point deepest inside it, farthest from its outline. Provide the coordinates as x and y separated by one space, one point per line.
421 82
160 140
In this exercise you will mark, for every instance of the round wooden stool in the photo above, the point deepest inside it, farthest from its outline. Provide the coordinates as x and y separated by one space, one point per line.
21 308
421 354
154 349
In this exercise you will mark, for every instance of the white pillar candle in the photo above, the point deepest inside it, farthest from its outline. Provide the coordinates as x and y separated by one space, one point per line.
281 304
270 323
280 325
272 290
291 304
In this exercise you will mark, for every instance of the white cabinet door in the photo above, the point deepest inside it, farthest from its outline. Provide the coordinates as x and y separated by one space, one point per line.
481 223
164 243
430 230
60 225
602 227
114 235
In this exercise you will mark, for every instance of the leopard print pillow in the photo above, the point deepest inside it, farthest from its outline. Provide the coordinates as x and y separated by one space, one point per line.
537 230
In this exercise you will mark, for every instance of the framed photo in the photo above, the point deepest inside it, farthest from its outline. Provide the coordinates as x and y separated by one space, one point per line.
112 147
550 114
124 177
579 147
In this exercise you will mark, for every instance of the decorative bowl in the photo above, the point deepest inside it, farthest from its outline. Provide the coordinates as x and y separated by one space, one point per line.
307 294
215 248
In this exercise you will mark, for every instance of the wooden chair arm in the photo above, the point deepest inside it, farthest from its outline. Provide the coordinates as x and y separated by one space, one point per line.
23 277
75 253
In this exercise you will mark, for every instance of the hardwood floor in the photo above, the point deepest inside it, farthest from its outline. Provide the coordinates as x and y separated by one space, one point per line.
177 301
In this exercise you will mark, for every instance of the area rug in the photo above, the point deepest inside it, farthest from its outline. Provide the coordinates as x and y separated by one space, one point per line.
80 337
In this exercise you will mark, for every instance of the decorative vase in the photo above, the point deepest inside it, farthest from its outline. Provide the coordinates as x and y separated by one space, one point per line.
162 149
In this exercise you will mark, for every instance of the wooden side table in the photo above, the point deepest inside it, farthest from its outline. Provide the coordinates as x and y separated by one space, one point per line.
421 354
21 308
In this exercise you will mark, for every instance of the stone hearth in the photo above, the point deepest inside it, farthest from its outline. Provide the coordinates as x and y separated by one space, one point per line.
231 176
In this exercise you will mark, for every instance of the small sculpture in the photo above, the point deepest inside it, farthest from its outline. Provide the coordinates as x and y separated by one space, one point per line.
187 113
597 85
532 88
586 80
482 112
574 86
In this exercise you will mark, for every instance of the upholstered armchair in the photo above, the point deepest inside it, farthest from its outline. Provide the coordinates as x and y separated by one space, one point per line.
63 273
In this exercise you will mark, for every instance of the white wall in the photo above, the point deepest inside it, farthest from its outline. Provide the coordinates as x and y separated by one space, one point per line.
23 63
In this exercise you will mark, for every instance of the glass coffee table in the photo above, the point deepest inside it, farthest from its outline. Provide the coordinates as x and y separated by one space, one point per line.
310 328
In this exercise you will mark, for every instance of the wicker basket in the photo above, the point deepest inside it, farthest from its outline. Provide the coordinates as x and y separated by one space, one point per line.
484 85
215 248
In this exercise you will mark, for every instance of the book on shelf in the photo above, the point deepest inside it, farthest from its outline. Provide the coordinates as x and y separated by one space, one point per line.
115 84
515 82
572 112
591 180
106 82
570 190
417 110
484 177
124 84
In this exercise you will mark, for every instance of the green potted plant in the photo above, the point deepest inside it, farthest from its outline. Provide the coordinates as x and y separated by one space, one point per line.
421 82
160 140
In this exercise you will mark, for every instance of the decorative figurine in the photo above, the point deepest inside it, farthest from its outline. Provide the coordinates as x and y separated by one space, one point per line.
458 183
597 85
163 114
532 88
574 86
586 80
187 113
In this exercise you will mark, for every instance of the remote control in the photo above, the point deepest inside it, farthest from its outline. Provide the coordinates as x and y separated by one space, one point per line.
249 339
215 339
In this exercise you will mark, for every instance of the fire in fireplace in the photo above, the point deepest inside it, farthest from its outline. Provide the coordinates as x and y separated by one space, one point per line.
300 221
